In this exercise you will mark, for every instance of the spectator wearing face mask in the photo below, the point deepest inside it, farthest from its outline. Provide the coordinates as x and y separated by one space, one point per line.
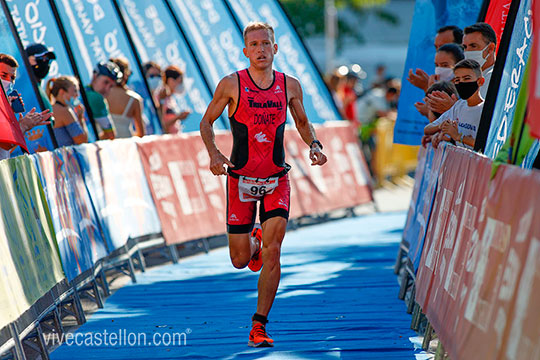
126 105
442 86
153 74
106 76
461 122
40 58
69 127
445 35
8 75
446 58
168 94
480 43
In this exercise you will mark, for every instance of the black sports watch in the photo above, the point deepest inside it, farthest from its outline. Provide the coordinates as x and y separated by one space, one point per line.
316 142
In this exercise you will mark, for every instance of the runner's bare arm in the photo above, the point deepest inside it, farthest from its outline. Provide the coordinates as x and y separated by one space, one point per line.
222 97
304 127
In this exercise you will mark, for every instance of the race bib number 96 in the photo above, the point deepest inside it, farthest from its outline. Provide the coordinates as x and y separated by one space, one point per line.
253 189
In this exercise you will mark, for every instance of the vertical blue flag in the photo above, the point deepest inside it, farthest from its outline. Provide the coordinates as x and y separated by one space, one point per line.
35 23
157 38
213 35
39 138
95 33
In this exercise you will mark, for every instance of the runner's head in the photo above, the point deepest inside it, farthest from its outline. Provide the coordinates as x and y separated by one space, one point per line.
260 46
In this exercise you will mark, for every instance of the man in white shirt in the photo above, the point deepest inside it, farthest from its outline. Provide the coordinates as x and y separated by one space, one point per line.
480 44
460 123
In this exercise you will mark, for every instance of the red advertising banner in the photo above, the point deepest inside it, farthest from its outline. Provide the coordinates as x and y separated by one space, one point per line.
451 234
479 277
496 16
182 196
10 131
498 312
191 201
534 85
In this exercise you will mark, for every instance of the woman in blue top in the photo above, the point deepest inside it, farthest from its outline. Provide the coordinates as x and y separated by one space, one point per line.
69 127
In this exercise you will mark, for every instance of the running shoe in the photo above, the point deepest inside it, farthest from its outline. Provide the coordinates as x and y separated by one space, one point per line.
256 262
258 337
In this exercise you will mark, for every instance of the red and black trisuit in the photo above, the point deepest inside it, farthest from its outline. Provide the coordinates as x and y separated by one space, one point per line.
258 154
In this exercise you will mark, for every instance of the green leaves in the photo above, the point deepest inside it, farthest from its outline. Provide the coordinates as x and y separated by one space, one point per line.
308 16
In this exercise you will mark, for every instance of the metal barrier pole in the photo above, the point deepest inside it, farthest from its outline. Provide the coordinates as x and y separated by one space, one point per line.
19 350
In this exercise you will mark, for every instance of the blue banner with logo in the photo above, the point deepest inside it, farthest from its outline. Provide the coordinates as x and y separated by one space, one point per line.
95 34
429 15
36 23
213 35
75 223
418 220
292 57
514 68
39 138
531 156
158 38
115 179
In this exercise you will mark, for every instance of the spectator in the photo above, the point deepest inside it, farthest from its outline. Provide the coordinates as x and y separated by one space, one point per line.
445 35
376 103
333 81
461 122
8 75
153 74
165 94
480 43
446 58
106 76
380 76
40 58
69 127
349 97
442 86
126 106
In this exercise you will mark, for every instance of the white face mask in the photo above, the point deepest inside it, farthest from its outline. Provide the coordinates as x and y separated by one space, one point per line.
153 82
476 55
445 74
180 89
7 85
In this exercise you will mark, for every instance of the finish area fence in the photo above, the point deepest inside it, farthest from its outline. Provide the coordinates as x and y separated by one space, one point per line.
470 255
72 214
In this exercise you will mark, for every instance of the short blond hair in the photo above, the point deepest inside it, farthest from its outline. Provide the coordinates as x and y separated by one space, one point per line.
259 25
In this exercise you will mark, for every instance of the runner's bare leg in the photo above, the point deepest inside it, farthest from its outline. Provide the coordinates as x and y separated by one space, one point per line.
241 249
273 232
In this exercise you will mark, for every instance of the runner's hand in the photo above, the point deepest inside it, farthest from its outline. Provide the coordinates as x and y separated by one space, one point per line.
217 163
317 157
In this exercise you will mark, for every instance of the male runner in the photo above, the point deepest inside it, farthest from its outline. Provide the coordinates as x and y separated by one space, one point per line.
258 98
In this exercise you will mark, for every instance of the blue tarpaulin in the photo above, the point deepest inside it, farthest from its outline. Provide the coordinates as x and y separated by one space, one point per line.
337 299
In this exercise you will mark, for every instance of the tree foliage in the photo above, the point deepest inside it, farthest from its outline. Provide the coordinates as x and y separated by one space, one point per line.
308 16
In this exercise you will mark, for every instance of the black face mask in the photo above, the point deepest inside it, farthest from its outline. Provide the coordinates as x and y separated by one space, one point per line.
466 89
41 69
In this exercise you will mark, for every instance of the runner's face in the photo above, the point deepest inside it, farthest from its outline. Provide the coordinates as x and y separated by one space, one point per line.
260 48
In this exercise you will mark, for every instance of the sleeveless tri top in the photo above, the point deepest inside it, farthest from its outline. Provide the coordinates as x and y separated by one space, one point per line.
258 126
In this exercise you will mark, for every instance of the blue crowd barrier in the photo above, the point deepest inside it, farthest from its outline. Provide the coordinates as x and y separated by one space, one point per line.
77 228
